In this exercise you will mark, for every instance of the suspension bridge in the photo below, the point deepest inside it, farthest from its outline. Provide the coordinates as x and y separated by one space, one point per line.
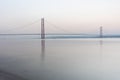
43 34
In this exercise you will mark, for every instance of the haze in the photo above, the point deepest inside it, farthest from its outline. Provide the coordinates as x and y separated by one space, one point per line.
78 16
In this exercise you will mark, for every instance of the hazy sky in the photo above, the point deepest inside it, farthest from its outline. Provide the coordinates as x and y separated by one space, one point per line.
77 16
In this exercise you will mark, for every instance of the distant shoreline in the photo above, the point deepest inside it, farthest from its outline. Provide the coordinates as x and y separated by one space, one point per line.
65 35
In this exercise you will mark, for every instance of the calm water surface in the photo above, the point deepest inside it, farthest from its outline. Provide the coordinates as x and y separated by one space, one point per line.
63 59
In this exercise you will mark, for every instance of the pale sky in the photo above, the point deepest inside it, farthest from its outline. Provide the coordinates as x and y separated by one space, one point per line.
77 16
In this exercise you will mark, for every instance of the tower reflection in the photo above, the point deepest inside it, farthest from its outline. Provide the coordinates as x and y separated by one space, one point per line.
101 44
101 48
42 49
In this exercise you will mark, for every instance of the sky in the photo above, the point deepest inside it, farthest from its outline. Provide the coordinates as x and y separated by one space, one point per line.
72 16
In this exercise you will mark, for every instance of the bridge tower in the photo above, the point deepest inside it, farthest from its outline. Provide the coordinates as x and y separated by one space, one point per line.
101 31
42 29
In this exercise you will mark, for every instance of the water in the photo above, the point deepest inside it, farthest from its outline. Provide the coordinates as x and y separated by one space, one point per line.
59 59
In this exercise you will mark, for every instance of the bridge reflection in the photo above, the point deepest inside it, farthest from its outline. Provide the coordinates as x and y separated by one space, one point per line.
42 49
